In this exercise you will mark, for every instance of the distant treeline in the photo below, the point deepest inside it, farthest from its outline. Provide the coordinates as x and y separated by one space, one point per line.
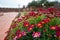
41 3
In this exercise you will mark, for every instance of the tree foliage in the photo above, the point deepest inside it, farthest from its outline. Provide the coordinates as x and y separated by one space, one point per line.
39 3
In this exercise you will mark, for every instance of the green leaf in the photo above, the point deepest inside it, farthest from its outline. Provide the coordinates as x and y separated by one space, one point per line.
43 16
38 19
58 21
46 27
31 20
53 22
14 30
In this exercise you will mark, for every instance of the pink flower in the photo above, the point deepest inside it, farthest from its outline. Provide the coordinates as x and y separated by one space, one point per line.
23 33
36 34
26 24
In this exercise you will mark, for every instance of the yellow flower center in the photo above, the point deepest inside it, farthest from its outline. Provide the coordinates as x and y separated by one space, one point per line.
39 24
59 25
59 36
43 22
26 24
20 35
53 28
30 28
32 25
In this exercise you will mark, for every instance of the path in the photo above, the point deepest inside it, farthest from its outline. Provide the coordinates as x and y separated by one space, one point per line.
5 22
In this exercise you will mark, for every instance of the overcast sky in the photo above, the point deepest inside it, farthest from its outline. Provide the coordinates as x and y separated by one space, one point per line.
15 3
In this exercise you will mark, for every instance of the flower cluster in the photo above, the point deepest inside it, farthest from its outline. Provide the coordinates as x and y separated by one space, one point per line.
35 26
57 29
20 34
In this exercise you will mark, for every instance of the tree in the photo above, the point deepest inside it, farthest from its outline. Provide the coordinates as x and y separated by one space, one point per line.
33 3
39 3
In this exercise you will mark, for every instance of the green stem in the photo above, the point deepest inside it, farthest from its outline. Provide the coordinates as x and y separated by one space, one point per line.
44 33
44 36
48 38
48 32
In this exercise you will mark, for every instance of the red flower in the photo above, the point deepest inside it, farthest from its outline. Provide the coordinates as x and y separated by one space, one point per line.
36 34
44 30
30 28
19 36
39 25
14 25
45 11
57 14
42 22
58 28
26 24
23 17
58 34
27 16
18 32
51 9
19 20
32 25
52 27
41 9
32 13
46 20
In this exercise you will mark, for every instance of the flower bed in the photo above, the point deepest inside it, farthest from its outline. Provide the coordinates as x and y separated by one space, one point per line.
34 26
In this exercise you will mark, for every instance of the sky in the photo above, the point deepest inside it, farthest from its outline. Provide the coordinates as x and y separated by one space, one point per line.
15 3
